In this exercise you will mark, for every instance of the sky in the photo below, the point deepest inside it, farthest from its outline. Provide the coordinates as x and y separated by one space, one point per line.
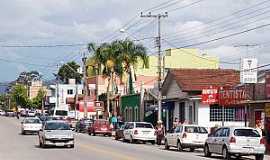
50 23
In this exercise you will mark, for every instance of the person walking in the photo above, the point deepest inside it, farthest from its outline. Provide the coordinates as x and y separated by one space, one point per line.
160 132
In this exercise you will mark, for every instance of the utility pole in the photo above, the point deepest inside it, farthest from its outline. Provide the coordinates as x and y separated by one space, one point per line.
57 92
158 41
84 86
247 106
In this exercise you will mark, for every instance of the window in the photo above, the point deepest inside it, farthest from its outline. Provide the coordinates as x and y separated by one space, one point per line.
230 113
178 129
70 91
225 132
218 132
246 133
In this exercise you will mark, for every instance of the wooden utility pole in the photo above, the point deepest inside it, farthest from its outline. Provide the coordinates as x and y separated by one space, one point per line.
158 43
85 86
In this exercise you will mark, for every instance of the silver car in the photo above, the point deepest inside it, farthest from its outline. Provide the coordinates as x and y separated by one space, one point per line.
56 133
235 141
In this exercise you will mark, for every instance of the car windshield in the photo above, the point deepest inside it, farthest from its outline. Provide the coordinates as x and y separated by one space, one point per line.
246 133
61 113
143 125
57 126
32 121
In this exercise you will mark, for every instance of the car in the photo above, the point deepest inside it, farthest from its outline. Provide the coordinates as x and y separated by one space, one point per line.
56 133
82 125
235 141
186 136
30 125
119 131
2 113
31 113
9 113
100 126
139 131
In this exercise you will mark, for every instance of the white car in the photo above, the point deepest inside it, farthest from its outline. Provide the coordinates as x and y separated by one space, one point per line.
30 125
56 133
186 136
139 131
236 141
2 113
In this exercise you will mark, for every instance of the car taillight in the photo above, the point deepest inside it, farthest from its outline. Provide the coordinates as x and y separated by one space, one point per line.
184 135
136 132
232 140
262 141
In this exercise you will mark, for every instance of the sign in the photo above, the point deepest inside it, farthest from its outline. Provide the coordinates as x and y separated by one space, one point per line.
248 72
267 110
99 106
231 96
90 106
210 96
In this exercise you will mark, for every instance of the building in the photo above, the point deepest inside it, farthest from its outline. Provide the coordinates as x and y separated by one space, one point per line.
182 89
34 87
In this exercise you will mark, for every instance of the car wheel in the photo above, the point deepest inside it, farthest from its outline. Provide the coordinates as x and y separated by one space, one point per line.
23 132
167 147
207 153
94 134
153 142
40 144
191 149
179 147
225 154
72 146
259 157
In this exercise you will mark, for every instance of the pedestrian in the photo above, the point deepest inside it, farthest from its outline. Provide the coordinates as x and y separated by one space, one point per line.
160 132
175 123
114 121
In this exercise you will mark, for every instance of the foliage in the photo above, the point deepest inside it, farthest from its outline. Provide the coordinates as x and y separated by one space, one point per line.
65 72
37 101
26 77
19 95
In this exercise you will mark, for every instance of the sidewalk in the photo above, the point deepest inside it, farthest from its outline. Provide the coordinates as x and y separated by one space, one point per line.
267 157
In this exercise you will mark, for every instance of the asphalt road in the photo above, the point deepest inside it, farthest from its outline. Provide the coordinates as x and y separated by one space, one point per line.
14 146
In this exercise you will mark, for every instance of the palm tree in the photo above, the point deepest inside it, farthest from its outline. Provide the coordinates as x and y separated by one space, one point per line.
117 58
130 54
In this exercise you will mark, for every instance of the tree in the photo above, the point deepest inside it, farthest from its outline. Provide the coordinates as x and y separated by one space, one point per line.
65 72
117 58
38 100
19 95
26 77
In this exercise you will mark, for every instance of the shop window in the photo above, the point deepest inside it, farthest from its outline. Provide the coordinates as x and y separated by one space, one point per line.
70 91
230 113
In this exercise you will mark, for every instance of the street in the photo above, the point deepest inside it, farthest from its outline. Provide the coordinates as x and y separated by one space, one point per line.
15 146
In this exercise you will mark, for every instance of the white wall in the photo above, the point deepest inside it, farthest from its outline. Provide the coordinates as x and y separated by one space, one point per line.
176 110
204 118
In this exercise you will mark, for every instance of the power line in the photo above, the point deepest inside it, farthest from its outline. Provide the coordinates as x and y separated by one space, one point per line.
225 37
186 6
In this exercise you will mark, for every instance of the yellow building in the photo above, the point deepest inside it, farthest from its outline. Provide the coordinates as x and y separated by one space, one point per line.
179 58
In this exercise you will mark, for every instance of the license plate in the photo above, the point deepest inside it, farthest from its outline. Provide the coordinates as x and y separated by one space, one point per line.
60 144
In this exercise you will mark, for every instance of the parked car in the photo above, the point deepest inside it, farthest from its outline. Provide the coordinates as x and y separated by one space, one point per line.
186 136
236 141
139 131
100 126
56 133
82 125
30 125
119 131
10 113
2 113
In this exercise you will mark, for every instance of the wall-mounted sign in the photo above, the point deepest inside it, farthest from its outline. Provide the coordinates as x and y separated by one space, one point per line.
231 96
210 96
248 72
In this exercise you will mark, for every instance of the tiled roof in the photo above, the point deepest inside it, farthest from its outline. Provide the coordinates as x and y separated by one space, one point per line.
198 79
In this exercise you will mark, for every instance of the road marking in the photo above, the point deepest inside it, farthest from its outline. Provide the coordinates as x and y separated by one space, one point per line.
119 156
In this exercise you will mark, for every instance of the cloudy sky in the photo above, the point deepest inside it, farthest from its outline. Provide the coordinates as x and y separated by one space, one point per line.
56 22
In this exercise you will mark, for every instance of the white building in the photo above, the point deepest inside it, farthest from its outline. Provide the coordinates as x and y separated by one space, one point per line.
182 89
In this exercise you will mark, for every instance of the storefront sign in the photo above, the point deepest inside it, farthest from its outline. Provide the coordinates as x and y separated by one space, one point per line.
231 97
267 110
210 96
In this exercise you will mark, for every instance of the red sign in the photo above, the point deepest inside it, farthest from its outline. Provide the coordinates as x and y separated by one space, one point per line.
99 106
231 96
90 106
210 96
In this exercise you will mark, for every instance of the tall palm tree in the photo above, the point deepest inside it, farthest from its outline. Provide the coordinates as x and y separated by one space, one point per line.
118 58
130 54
